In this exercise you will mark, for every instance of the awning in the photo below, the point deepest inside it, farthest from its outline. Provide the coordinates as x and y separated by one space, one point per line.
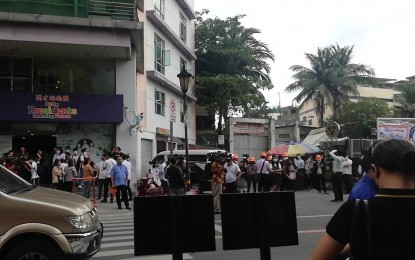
177 140
316 136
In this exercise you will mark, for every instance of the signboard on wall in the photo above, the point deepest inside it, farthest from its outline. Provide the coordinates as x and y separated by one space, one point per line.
249 128
60 107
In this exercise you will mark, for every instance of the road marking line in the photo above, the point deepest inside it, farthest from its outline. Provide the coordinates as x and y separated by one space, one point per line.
315 216
105 239
218 228
119 253
311 231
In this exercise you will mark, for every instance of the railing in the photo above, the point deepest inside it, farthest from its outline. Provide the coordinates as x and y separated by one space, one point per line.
120 10
117 10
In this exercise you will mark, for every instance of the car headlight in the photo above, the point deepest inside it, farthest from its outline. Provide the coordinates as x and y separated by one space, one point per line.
81 222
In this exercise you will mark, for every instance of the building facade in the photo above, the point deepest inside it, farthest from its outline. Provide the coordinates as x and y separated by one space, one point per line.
384 90
94 74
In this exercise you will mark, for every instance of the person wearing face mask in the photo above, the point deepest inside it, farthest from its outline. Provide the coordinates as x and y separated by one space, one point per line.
232 175
347 174
276 178
299 166
251 174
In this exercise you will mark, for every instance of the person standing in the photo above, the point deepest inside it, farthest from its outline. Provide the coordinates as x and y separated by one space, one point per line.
319 174
127 164
308 182
119 178
276 177
176 178
251 175
337 177
101 177
69 172
32 167
347 174
299 166
108 164
56 174
263 167
88 177
216 184
232 175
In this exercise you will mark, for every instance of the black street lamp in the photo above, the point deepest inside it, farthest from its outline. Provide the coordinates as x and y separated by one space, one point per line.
184 78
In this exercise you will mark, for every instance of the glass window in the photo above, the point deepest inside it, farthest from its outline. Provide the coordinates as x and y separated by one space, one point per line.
310 122
159 8
183 64
183 27
159 54
160 101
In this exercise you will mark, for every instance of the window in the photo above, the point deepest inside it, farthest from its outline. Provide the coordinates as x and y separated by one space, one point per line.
160 102
285 112
304 119
16 74
293 111
183 27
159 54
159 8
310 122
284 135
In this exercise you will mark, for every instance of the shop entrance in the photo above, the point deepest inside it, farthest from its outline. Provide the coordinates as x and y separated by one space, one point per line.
34 142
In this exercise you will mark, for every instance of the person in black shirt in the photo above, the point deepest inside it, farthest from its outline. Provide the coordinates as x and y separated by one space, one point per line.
382 227
175 176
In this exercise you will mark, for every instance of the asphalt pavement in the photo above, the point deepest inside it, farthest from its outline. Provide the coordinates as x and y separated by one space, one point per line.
313 211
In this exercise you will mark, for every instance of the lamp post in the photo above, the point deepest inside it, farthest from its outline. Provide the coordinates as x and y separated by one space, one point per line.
184 78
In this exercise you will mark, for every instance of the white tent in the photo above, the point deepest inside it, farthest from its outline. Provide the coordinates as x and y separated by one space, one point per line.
316 136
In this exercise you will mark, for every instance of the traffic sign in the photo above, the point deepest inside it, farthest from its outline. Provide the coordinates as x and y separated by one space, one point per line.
172 110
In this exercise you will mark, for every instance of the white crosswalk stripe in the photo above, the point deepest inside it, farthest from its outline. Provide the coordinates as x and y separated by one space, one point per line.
118 241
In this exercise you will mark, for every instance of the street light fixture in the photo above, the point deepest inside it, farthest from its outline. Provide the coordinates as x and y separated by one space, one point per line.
184 78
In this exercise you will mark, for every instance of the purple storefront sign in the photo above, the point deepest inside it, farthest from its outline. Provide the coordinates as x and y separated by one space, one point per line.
61 107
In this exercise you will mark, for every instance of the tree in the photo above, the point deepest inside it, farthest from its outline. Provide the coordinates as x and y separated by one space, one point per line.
231 68
406 100
359 118
330 79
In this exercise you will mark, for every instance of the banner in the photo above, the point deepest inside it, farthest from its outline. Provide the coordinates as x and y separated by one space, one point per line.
394 130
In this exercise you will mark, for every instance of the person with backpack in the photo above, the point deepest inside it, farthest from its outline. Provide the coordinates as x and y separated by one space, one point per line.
381 227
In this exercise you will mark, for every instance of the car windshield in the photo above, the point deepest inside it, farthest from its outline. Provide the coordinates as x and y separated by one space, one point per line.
10 183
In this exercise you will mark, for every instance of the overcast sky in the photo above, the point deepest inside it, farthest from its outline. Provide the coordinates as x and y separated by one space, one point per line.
381 30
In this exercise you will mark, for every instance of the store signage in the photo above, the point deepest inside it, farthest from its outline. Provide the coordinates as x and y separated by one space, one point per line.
57 107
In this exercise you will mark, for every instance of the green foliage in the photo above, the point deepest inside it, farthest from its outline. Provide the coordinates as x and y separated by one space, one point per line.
232 65
330 78
406 100
359 118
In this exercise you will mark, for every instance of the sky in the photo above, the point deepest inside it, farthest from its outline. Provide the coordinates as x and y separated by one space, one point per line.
382 32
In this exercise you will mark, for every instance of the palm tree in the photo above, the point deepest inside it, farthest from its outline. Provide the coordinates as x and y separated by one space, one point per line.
330 78
406 100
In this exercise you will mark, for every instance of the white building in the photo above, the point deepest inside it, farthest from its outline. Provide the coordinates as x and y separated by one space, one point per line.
169 44
77 75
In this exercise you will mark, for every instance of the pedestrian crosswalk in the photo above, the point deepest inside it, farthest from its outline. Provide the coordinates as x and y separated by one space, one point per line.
118 241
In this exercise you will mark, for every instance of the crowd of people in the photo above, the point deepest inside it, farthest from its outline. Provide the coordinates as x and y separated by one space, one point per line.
69 171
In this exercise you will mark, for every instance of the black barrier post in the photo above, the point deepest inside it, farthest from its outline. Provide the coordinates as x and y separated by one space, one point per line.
176 208
265 249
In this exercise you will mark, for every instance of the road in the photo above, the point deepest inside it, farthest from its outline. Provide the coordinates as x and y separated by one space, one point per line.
314 210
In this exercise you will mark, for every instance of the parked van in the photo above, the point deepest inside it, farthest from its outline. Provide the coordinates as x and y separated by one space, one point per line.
42 223
197 163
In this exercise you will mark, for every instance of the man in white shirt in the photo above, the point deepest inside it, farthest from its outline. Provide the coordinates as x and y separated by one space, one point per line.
263 167
232 175
108 164
127 164
32 166
337 177
347 174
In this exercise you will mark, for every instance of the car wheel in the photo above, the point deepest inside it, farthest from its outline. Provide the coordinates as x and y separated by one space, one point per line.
30 249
